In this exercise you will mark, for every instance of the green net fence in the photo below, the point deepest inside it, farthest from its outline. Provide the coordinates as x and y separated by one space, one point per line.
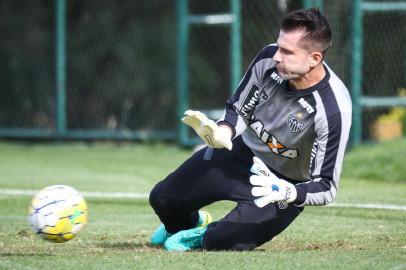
27 79
120 73
384 70
121 59
210 47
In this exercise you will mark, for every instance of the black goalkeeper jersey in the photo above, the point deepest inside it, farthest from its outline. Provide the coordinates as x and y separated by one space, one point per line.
300 134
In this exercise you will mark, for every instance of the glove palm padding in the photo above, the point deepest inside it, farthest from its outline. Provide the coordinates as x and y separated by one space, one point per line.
268 187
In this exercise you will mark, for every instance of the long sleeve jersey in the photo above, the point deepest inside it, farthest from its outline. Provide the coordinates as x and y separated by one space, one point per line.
300 134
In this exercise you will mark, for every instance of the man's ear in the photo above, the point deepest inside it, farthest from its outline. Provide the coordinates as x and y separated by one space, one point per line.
315 58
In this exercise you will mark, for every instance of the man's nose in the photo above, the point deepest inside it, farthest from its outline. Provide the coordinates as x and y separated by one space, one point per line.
277 57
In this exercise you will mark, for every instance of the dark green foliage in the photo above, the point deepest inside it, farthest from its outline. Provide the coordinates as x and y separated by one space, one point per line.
377 162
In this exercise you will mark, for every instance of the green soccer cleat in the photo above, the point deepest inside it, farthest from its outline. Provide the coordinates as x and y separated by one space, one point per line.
186 240
160 235
204 219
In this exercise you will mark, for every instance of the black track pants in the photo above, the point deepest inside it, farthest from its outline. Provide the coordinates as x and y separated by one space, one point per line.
212 175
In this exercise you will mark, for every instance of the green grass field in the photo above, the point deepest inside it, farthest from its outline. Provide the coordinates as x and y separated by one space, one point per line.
118 232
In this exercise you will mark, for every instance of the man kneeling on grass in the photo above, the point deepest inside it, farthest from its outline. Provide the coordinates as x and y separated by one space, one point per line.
278 147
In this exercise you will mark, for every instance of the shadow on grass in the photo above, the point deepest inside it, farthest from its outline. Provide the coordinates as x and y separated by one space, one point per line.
127 245
292 246
144 247
18 254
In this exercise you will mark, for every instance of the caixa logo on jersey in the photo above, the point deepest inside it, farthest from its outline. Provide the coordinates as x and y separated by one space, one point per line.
250 101
271 141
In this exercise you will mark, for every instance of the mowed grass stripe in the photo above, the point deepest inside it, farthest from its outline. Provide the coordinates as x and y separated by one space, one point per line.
133 195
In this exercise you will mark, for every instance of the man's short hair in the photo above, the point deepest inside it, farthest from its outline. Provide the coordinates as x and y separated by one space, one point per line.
317 30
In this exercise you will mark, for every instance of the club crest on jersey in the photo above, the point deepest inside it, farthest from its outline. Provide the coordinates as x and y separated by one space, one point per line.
294 124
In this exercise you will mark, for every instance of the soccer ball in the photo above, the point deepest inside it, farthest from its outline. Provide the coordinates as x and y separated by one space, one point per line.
57 213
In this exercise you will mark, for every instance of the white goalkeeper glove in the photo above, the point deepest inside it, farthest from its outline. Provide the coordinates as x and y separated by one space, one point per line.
208 130
268 187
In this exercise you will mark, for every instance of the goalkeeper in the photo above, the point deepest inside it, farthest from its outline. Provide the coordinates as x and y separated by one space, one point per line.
278 147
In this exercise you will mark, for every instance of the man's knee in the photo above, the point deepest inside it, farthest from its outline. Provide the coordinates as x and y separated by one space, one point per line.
156 198
162 201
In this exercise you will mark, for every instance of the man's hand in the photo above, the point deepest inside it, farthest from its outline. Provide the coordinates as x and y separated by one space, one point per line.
268 187
212 134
